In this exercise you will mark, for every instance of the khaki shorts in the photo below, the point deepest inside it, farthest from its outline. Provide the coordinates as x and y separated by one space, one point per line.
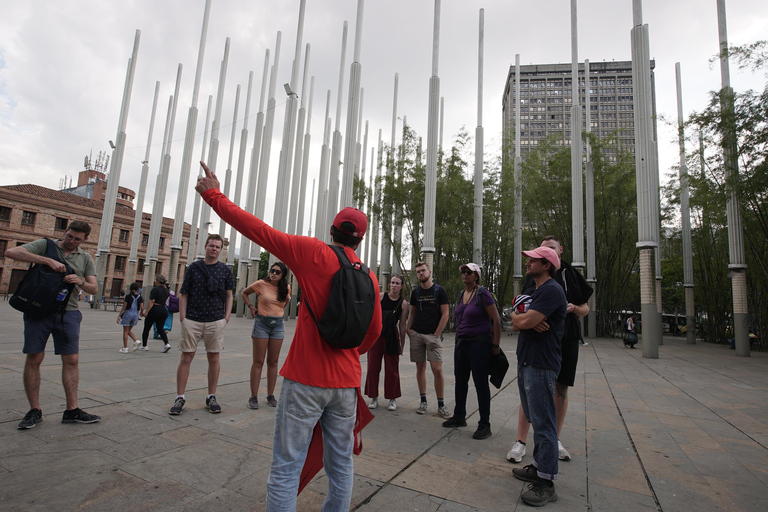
211 332
426 347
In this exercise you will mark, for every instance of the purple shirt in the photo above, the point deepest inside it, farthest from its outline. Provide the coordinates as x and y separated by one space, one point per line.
472 320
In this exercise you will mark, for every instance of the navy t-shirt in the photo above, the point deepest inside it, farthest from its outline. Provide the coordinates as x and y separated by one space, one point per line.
542 349
427 306
204 305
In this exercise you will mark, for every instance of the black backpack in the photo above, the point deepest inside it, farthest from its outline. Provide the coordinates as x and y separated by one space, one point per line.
43 290
350 306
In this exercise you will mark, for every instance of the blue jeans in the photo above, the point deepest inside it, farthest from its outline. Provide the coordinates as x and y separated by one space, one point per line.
299 409
537 398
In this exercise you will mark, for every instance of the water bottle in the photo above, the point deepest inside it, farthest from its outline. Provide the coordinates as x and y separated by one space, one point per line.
62 294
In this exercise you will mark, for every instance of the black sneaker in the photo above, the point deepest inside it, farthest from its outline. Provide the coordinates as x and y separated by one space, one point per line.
33 417
482 432
539 493
271 400
212 405
454 422
527 473
78 415
178 406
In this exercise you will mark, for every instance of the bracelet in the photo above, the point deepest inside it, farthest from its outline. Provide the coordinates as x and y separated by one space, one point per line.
250 305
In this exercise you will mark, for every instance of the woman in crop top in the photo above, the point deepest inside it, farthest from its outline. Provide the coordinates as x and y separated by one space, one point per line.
273 294
389 346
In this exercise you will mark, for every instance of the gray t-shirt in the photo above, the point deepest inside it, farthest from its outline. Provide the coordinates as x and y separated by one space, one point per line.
80 261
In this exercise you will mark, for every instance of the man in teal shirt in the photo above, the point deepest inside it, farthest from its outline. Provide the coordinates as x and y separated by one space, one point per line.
65 327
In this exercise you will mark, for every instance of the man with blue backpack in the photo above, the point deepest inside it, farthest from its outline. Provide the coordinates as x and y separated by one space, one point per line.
62 321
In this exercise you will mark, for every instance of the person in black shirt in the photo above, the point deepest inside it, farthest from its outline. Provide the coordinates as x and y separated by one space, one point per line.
426 321
156 314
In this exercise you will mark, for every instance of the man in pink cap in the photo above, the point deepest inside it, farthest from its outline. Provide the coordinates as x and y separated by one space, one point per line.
320 383
538 364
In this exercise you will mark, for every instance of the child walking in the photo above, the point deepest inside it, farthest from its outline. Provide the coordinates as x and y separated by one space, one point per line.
129 316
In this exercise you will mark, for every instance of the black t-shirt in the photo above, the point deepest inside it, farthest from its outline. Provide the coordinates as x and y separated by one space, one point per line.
428 312
204 304
542 349
577 291
160 294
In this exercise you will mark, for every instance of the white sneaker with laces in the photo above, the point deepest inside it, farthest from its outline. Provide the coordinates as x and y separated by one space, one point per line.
374 403
166 348
517 452
136 345
562 453
422 408
124 350
143 349
444 412
392 405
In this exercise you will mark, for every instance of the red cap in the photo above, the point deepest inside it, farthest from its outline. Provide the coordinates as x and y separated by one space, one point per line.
354 216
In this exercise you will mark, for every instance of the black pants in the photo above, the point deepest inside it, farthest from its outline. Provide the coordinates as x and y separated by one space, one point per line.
157 316
472 357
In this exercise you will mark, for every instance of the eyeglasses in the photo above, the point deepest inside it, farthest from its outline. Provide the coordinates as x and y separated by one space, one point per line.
275 271
470 272
73 239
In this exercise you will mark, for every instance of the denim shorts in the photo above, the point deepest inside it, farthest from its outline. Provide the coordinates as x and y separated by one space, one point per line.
65 329
268 327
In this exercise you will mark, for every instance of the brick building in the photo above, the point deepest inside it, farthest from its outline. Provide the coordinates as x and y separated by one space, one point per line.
31 212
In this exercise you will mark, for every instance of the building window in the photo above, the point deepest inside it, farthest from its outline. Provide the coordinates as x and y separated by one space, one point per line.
3 245
5 213
60 224
159 268
140 265
144 239
119 262
28 218
162 243
123 235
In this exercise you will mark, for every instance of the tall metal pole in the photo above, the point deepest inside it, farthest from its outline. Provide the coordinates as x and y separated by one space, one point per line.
647 243
266 148
430 185
228 172
353 104
590 193
737 264
282 195
240 172
685 215
397 227
518 175
298 158
371 247
110 199
386 220
477 253
321 212
305 165
244 267
186 163
577 187
193 231
132 258
335 157
213 150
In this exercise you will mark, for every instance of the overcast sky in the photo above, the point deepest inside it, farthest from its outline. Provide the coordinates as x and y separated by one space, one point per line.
63 66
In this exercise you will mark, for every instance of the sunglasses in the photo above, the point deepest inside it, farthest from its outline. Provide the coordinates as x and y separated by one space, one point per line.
275 271
470 272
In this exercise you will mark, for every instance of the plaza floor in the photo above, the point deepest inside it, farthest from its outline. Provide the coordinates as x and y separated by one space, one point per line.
687 431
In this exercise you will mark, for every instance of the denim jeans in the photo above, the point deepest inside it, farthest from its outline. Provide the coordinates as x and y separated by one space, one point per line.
472 357
299 409
537 398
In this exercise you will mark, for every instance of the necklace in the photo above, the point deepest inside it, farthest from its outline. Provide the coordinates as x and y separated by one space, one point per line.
474 292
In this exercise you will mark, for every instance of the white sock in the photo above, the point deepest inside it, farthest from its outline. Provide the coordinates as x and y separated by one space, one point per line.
181 396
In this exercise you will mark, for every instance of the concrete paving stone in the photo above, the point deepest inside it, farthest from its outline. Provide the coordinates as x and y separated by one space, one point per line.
605 499
221 469
26 455
433 475
124 492
394 498
224 499
313 494
380 465
486 486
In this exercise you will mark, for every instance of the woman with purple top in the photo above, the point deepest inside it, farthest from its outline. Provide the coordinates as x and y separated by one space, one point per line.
478 332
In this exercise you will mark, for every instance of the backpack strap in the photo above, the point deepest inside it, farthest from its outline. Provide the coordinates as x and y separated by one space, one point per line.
53 253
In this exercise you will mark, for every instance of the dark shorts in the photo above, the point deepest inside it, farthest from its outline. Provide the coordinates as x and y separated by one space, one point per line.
65 330
569 349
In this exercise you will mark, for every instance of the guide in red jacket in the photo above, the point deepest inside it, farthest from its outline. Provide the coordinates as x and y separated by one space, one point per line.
320 382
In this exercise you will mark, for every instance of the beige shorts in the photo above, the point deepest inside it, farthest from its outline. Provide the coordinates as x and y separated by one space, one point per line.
426 347
211 332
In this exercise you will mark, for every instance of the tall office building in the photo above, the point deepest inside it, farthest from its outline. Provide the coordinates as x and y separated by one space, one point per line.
545 103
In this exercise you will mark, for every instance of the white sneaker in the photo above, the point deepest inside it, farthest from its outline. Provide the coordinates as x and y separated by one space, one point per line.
374 403
517 452
143 349
422 408
444 412
585 343
136 345
392 405
124 350
562 453
166 348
